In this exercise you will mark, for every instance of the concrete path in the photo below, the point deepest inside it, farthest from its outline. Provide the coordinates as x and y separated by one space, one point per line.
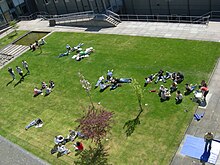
210 32
12 154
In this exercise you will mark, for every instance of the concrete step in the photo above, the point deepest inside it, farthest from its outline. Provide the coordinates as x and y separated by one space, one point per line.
7 49
21 51
14 49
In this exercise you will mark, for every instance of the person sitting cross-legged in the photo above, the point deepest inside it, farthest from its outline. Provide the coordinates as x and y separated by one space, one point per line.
62 150
160 76
179 97
78 146
37 91
149 79
189 88
173 87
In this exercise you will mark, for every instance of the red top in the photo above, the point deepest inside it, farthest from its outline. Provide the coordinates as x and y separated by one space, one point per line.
80 147
204 89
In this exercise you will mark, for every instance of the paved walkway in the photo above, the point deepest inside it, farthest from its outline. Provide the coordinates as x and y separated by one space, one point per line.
12 154
210 32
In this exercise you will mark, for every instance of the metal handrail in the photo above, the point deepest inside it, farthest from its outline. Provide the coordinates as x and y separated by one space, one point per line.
113 15
32 16
165 18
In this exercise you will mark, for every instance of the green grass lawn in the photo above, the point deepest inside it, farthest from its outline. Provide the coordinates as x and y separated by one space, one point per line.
162 127
10 38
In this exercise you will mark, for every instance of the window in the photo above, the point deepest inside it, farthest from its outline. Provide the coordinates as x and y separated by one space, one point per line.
46 1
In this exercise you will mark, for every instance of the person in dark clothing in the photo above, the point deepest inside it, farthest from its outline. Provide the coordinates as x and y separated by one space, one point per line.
160 76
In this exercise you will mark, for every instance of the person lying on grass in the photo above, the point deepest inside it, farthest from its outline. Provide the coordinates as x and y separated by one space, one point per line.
37 123
63 54
77 48
149 79
83 54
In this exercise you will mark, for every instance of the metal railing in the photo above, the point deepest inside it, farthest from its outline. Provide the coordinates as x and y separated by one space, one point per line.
70 15
73 17
113 15
32 16
165 18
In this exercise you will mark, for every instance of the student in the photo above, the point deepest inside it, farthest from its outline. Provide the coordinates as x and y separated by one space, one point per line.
179 77
78 146
204 90
149 79
44 85
173 87
37 91
36 43
109 74
48 91
189 88
208 140
179 97
59 139
12 73
25 65
68 48
42 42
51 84
99 81
62 150
37 123
72 135
20 72
63 54
160 76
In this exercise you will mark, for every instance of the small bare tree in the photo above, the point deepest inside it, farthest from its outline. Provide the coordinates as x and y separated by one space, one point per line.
87 86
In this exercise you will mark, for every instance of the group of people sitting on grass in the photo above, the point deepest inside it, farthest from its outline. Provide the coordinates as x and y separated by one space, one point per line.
80 52
44 86
37 44
110 81
177 78
60 142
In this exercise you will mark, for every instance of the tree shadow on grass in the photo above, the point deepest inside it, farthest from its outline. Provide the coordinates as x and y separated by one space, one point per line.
130 125
93 156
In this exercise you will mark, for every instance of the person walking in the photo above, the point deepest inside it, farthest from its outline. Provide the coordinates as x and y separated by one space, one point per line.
12 73
208 139
25 65
20 72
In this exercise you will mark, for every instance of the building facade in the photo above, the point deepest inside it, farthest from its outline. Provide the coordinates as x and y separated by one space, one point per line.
58 7
170 7
12 9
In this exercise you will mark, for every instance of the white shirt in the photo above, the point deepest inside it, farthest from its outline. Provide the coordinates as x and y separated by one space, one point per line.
19 70
25 64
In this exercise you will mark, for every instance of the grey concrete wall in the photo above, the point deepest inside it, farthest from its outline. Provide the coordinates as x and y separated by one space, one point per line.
61 7
167 7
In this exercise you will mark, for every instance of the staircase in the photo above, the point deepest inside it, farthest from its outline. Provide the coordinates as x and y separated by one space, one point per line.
10 52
